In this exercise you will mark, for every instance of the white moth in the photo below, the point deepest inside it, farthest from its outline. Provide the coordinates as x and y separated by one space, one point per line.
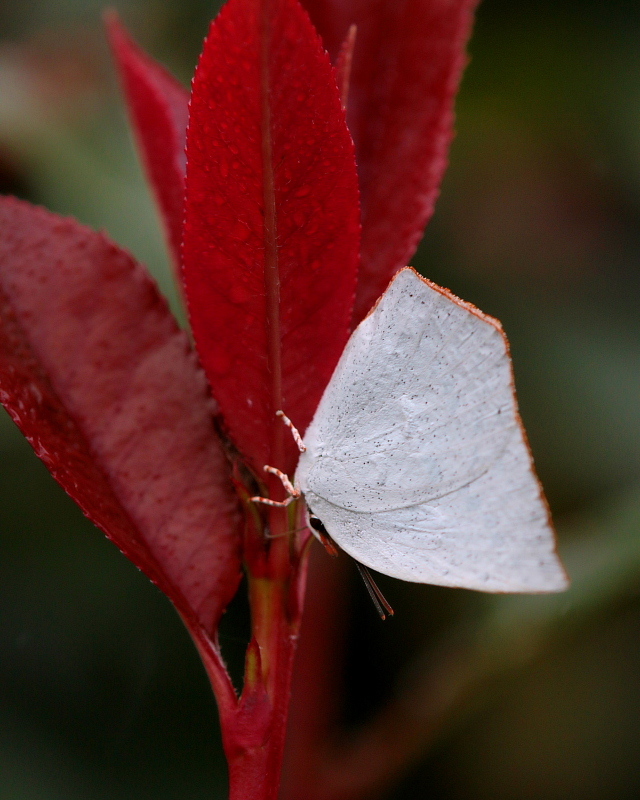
416 460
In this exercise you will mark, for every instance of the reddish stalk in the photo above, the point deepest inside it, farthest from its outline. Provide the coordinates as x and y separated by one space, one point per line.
276 571
254 740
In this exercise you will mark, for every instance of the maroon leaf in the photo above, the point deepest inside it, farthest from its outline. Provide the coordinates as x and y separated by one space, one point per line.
407 62
96 374
158 106
272 222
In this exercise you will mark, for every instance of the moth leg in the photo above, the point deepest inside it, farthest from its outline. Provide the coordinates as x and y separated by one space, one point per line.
277 503
293 492
294 431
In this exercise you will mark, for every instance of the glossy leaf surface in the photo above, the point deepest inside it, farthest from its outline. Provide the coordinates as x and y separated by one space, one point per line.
272 222
105 387
407 62
158 107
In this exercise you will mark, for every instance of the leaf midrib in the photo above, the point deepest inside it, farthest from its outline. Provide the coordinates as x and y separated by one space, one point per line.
271 265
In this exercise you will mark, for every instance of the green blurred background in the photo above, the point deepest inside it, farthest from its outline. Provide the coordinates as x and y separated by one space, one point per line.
101 692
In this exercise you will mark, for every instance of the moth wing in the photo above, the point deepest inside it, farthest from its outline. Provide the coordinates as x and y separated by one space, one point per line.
492 534
420 404
416 459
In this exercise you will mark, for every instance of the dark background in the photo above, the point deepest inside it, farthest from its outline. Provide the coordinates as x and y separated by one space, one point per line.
101 692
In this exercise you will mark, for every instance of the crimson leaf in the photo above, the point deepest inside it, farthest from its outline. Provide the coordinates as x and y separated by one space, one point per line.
158 106
105 387
272 222
407 62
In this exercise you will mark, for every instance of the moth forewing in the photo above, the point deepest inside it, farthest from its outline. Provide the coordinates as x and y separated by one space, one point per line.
416 460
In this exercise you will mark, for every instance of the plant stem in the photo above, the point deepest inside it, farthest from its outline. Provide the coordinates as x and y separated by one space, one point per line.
255 741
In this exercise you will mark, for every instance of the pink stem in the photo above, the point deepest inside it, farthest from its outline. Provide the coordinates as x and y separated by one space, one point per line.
255 737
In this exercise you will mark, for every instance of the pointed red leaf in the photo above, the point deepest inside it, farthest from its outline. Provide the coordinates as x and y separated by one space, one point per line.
105 387
158 106
272 222
407 63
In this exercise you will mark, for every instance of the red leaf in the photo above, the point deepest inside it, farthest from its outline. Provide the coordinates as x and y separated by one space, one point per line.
272 222
96 374
159 107
407 63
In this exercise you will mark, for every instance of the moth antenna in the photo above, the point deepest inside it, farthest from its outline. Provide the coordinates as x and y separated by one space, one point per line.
293 491
379 600
319 530
294 431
